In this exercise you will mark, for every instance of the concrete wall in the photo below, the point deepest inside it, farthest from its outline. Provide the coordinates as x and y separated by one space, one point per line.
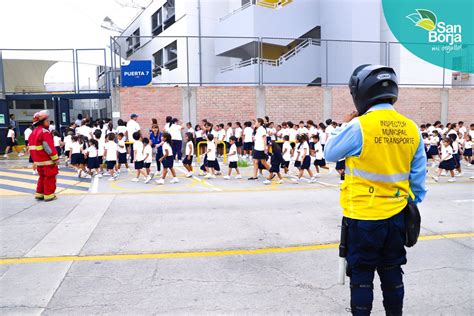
225 104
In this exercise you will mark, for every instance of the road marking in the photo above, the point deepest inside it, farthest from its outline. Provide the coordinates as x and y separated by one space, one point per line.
197 254
201 181
95 185
463 201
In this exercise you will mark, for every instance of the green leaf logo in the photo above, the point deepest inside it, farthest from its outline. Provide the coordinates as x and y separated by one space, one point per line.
424 19
397 194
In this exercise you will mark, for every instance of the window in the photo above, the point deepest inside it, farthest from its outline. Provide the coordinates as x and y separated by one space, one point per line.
158 60
157 22
129 46
169 11
136 38
171 52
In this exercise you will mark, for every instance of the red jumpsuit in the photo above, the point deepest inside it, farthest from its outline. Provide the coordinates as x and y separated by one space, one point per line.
45 156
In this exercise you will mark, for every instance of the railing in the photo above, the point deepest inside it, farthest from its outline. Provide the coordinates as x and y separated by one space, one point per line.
262 3
273 62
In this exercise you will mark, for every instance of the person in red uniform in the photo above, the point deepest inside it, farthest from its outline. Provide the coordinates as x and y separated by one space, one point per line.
45 156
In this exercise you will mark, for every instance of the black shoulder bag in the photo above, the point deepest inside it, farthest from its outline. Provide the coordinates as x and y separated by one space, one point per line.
412 223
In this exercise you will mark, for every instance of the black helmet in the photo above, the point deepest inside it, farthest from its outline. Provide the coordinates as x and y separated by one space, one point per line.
372 83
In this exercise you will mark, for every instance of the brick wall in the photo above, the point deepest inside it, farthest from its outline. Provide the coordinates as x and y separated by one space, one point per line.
225 104
150 102
230 104
294 104
461 105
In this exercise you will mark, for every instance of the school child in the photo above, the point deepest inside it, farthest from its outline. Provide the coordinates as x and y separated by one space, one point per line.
292 131
138 156
199 134
433 143
238 135
148 158
233 157
211 157
92 160
275 162
447 160
189 128
122 152
456 155
228 134
76 156
188 154
11 142
319 161
296 152
100 138
286 153
57 142
248 139
468 148
304 158
110 154
67 146
167 159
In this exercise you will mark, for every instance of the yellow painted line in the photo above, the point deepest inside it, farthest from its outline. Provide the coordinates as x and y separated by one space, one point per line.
32 177
5 192
19 184
200 254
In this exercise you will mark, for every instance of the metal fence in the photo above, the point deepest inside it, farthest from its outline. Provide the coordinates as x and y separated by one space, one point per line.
214 60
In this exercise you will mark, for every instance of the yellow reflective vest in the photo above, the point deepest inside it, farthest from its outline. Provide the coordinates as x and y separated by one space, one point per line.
376 183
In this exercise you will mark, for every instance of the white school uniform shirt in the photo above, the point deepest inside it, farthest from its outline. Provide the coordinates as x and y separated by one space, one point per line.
319 153
91 152
52 127
233 150
167 147
67 142
27 133
111 148
211 155
302 130
323 137
132 127
468 144
329 130
123 149
228 134
272 133
101 149
57 141
259 141
434 140
175 132
76 148
189 151
148 151
84 130
292 134
312 131
455 145
122 129
221 135
446 152
471 133
191 130
431 129
138 148
199 134
463 130
248 133
238 132
287 154
11 133
214 133
166 127
284 132
302 149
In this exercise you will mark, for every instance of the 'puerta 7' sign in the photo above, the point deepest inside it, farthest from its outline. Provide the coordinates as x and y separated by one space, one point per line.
136 73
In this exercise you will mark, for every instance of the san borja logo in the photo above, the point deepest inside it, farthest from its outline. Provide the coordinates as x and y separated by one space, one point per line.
438 32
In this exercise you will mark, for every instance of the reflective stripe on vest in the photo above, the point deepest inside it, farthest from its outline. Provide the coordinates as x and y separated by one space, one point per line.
45 163
378 177
376 183
35 147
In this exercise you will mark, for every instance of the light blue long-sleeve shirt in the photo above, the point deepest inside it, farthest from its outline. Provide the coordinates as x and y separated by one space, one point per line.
346 141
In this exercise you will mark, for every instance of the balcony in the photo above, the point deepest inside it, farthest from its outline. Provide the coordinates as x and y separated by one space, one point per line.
257 19
300 65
